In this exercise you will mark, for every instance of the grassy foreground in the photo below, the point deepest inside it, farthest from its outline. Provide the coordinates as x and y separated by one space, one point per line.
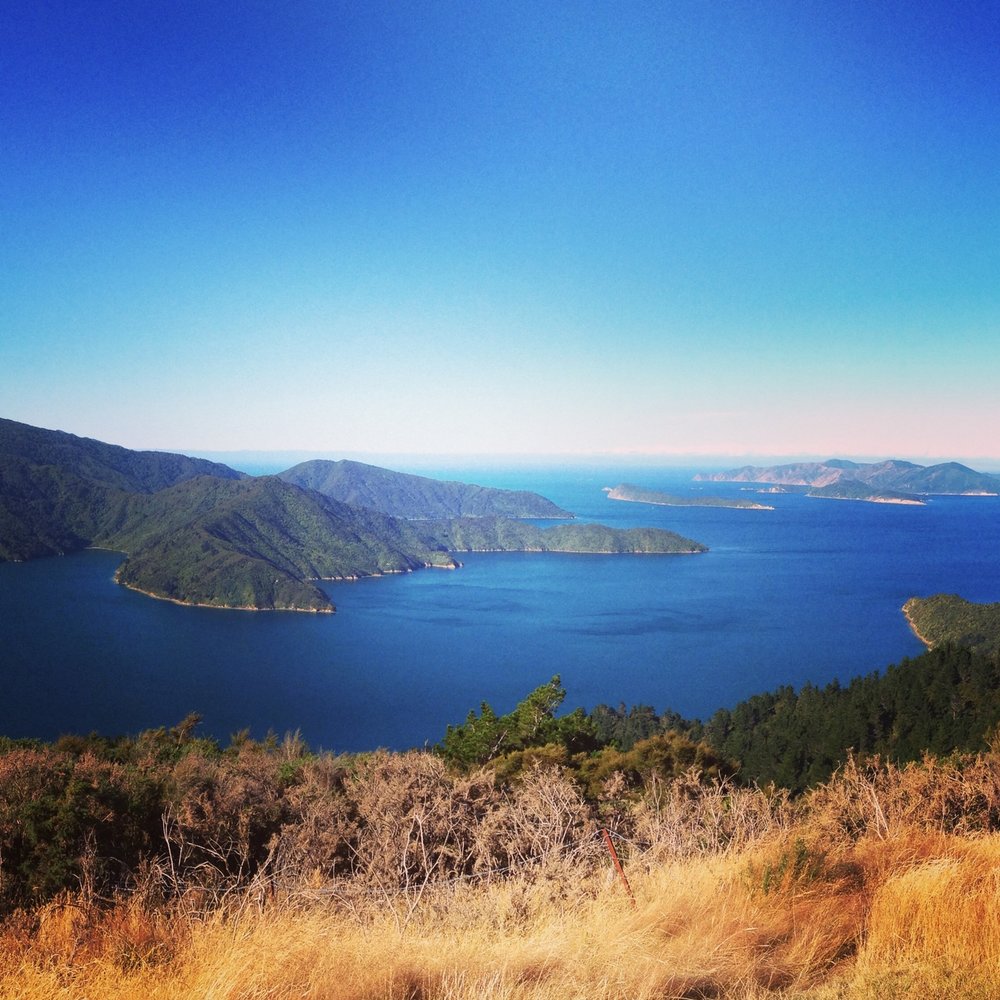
884 882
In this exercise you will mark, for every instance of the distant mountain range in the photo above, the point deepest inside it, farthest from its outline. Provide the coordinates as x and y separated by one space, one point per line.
198 532
893 475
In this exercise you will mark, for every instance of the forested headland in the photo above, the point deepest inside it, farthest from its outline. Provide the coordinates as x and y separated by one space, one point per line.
948 618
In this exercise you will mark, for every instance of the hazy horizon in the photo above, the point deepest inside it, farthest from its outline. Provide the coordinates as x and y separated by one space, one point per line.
764 230
282 459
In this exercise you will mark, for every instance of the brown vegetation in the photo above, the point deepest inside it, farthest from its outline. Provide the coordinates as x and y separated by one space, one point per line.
281 875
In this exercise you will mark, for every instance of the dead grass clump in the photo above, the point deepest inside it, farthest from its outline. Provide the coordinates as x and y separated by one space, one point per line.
698 929
952 795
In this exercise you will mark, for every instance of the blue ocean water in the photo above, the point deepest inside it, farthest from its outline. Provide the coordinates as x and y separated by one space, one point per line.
807 592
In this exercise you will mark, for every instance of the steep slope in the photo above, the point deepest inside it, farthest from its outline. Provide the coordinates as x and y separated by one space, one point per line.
106 464
404 495
257 543
45 510
59 492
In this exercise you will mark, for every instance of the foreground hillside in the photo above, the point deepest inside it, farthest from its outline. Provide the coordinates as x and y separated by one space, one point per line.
166 866
878 884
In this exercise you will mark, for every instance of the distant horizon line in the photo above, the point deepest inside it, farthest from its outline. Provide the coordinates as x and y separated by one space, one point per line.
678 459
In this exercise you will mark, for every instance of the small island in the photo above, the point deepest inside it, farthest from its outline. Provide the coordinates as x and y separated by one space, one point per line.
639 494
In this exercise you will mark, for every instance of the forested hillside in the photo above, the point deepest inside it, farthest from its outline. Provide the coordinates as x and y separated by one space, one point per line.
947 699
403 495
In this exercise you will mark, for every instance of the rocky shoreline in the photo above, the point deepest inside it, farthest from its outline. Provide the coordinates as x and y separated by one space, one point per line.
913 627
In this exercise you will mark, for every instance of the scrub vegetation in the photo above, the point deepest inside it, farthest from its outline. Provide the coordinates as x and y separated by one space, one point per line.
166 865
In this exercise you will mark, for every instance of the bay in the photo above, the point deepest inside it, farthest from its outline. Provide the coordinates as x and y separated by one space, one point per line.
807 592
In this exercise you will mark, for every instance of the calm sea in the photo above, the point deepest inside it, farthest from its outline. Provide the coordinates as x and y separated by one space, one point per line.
807 592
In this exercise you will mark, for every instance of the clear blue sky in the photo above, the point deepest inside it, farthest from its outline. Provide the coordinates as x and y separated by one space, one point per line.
495 228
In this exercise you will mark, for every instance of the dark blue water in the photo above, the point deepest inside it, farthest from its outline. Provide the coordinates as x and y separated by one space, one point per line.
809 591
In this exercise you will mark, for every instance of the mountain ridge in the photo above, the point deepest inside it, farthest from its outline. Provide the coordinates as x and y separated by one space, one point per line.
403 494
892 474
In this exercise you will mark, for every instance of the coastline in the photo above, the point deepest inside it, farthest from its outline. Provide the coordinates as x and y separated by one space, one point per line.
219 607
914 629
899 503
589 552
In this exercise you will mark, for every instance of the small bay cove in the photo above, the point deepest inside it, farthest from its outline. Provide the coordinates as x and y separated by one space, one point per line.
809 591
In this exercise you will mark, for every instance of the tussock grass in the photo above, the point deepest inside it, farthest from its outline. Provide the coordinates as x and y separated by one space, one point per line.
850 894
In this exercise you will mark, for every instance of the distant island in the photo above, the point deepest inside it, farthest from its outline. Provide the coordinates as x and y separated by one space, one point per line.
200 533
892 481
639 494
948 618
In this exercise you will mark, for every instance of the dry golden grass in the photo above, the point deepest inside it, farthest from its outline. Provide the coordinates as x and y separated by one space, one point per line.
914 915
851 895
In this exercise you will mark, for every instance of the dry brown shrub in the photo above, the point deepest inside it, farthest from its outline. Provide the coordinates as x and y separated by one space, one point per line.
414 821
692 816
320 824
221 815
404 821
542 816
954 795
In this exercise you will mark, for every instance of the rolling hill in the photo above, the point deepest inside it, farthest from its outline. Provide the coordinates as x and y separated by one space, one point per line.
404 495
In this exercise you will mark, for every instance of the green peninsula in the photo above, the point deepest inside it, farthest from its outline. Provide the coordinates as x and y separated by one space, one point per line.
504 535
639 494
949 619
200 533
